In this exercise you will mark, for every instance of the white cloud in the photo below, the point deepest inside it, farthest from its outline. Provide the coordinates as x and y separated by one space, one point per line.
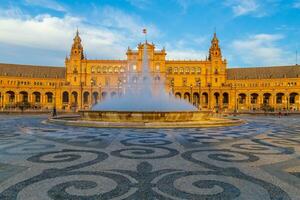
297 4
243 7
142 4
108 39
261 49
51 4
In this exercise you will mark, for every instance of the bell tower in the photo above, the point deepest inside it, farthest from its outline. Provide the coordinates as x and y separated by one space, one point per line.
217 71
74 68
77 49
215 50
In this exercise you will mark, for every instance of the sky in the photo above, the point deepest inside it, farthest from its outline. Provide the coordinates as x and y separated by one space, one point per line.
251 32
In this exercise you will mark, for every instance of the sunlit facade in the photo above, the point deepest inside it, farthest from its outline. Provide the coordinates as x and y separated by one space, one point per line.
208 84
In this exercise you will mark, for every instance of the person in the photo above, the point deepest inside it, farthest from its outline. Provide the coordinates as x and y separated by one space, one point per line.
54 112
279 114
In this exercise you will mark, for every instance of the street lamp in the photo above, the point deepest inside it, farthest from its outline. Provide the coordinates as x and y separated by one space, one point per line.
191 86
209 95
100 95
92 82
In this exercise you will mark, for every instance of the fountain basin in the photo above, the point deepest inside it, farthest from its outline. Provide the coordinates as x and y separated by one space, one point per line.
139 119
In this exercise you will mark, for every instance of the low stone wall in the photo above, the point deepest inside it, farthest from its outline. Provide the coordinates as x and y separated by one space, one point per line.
123 116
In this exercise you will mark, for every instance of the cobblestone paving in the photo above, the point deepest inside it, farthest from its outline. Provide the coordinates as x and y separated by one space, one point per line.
258 160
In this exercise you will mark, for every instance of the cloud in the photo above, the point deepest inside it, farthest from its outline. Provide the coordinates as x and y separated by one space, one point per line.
141 4
107 40
297 4
51 4
261 49
243 7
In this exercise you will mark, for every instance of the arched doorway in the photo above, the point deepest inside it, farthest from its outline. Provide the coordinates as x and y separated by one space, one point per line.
279 98
10 95
49 97
196 99
204 99
242 98
74 98
24 97
293 101
187 96
178 95
225 100
36 97
86 97
254 98
103 95
266 98
217 96
113 94
95 97
65 98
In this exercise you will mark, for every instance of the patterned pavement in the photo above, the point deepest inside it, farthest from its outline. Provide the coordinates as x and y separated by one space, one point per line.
258 160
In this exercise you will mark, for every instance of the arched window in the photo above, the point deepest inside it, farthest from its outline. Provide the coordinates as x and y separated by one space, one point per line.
198 70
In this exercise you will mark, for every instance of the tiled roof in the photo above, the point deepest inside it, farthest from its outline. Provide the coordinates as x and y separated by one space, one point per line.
264 72
31 71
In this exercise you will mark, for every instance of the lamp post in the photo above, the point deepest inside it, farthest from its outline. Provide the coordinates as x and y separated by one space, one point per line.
54 102
209 95
92 82
100 95
81 91
191 87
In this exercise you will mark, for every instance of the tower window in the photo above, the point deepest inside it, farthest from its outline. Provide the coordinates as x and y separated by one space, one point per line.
216 80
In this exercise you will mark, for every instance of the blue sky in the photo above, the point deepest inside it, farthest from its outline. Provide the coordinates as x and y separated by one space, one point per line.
251 32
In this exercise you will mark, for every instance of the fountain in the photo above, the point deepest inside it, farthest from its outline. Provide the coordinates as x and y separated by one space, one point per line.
144 103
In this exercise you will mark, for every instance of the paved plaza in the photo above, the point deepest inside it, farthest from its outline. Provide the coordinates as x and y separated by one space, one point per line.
258 160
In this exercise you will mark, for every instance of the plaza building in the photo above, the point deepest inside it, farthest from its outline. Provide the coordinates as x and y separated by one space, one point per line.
208 84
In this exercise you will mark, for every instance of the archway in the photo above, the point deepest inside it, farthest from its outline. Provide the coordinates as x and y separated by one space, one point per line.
36 97
86 97
254 98
10 95
187 96
104 95
24 97
113 94
279 98
196 99
65 98
216 95
178 95
293 97
95 97
242 98
49 97
205 98
266 98
74 97
225 99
